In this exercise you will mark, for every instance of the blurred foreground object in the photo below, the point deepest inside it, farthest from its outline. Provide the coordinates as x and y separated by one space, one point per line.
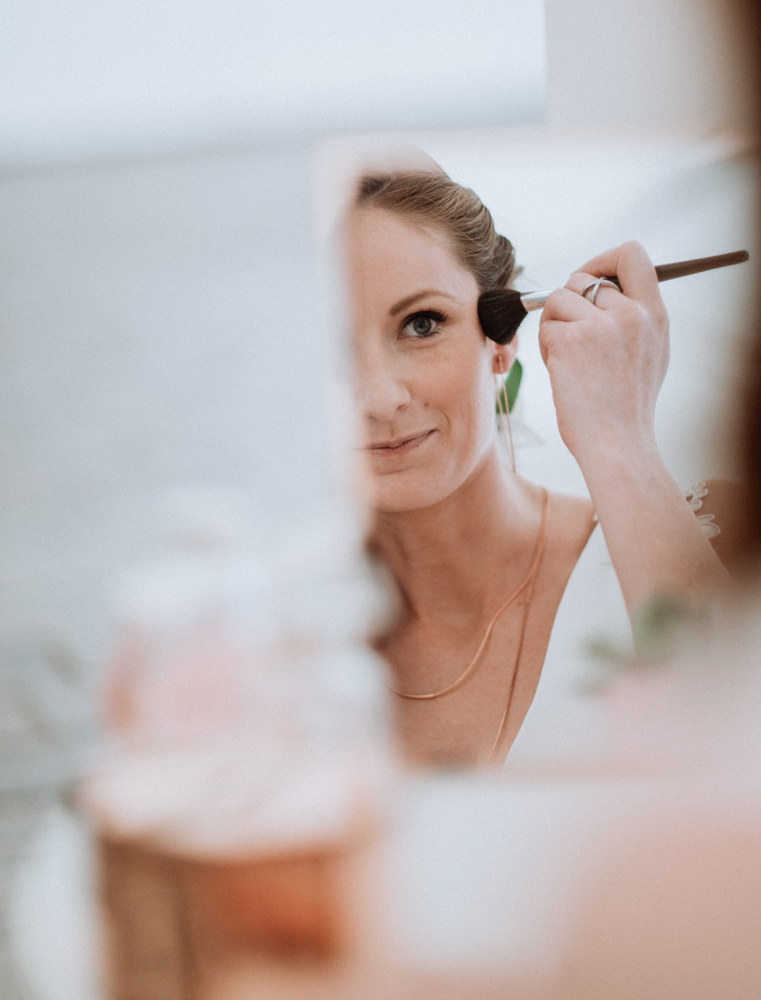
45 731
249 749
634 874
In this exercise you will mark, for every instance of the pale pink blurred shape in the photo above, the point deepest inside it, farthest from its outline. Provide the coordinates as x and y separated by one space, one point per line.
244 716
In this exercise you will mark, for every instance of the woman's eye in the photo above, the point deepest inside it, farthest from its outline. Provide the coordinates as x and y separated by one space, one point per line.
423 324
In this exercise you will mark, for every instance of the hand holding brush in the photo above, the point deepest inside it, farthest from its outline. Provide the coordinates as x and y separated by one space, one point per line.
502 310
606 362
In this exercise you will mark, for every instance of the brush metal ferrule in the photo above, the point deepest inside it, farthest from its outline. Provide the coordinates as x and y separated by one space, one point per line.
535 300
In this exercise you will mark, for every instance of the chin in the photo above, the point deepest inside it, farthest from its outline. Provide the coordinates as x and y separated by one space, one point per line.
395 494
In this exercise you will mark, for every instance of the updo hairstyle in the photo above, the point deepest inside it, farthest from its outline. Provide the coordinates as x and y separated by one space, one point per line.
433 199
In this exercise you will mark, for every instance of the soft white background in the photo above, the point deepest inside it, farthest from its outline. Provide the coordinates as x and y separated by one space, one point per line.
79 78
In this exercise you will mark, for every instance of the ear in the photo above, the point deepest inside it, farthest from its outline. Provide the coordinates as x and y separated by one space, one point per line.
503 356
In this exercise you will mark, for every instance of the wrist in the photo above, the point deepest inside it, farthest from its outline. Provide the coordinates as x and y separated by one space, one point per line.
625 456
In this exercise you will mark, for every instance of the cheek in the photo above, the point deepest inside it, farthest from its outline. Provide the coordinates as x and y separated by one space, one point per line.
461 389
465 392
456 392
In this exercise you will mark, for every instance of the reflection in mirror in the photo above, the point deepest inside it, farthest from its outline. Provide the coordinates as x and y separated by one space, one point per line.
509 562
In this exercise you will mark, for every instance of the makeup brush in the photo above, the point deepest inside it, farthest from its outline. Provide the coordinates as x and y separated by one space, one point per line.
502 310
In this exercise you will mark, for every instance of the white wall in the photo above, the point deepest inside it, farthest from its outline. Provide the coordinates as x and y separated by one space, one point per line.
159 329
665 64
80 79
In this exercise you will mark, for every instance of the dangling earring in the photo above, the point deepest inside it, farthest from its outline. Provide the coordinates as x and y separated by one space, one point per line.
503 412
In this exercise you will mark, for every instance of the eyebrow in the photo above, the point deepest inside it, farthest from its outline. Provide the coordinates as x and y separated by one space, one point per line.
410 299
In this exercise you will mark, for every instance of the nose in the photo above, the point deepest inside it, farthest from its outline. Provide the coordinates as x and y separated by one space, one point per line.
381 390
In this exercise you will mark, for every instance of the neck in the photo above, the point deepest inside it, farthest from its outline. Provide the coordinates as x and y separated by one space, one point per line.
452 560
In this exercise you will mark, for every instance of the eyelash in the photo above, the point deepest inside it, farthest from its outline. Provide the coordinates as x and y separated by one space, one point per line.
438 317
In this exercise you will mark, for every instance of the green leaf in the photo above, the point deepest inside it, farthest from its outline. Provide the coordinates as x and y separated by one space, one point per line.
510 387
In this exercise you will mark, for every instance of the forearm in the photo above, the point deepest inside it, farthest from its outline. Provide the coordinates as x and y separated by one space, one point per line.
653 537
607 362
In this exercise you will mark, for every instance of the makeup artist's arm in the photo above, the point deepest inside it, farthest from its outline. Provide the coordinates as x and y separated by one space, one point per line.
607 363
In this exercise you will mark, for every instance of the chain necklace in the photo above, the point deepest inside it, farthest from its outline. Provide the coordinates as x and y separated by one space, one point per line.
528 586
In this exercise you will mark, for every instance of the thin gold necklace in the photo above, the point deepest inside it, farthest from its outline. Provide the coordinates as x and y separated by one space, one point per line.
527 585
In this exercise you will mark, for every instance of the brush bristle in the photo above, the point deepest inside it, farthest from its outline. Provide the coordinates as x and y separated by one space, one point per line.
500 313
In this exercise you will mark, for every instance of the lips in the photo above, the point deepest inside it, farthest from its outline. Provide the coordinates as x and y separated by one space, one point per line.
398 446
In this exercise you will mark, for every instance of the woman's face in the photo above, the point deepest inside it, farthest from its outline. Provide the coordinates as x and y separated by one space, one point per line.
424 368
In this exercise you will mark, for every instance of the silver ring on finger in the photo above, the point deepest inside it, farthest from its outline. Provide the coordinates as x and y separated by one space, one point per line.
595 286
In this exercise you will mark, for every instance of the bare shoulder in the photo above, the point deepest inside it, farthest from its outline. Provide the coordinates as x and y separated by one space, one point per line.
724 503
572 519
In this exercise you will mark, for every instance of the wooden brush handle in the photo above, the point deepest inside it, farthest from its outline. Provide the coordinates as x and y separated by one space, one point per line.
683 267
502 310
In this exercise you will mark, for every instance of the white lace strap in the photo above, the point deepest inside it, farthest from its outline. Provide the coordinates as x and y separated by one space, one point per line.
694 497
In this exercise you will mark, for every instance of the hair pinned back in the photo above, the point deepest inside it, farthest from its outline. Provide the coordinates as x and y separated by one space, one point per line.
436 200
